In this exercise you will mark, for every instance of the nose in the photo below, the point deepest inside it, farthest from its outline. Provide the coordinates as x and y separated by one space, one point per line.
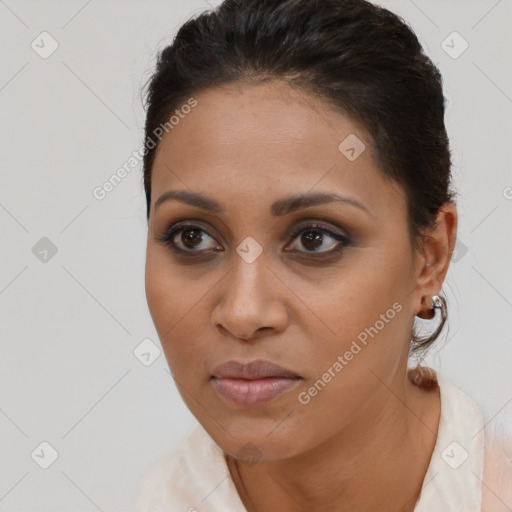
250 301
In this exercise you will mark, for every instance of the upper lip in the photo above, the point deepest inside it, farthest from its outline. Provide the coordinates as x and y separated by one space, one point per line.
252 370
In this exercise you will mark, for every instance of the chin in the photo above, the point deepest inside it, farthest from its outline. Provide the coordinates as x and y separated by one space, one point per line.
249 439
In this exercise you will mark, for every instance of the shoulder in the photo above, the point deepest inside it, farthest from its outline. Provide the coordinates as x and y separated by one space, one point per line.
483 479
175 478
153 490
497 475
193 477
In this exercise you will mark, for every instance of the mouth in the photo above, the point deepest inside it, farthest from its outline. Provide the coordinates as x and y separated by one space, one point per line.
252 384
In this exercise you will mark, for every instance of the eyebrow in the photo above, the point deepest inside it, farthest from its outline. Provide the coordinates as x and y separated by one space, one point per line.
279 208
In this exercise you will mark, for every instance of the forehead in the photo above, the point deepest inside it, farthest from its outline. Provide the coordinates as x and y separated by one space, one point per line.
259 142
232 121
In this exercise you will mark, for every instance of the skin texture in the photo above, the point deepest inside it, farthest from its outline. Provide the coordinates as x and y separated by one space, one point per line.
365 440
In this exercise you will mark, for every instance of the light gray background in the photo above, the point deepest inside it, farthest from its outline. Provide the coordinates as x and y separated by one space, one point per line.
69 326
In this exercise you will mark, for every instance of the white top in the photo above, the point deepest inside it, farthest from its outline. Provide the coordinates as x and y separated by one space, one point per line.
195 477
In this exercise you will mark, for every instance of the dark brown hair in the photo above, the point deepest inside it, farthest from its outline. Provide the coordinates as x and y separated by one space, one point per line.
361 58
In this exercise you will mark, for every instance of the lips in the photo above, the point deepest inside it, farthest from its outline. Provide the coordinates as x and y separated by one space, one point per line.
252 371
252 384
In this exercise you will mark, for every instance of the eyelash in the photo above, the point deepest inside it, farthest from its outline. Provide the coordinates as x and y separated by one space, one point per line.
167 239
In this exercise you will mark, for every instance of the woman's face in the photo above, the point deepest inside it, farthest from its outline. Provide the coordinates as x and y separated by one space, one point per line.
272 271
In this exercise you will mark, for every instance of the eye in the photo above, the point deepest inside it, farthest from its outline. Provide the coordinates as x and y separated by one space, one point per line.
316 237
191 239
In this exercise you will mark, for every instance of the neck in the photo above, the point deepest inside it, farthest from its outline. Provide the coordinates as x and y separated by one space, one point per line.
377 462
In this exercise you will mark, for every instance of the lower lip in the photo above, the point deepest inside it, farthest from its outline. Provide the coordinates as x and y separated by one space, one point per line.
253 393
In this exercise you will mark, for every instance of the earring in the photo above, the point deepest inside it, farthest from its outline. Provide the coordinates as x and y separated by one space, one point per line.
437 302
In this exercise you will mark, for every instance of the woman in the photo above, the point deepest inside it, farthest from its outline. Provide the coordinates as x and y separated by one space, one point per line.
300 218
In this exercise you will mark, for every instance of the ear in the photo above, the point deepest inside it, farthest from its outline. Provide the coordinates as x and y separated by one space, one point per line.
435 255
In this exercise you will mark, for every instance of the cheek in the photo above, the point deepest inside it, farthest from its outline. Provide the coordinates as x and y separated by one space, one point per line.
160 285
365 308
368 341
176 303
166 295
169 290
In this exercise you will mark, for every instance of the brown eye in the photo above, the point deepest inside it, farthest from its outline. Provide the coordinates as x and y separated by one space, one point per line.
317 239
188 238
191 238
312 240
